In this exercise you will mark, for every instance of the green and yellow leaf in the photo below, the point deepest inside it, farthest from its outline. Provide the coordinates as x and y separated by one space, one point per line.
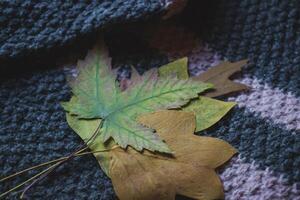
208 111
178 67
98 96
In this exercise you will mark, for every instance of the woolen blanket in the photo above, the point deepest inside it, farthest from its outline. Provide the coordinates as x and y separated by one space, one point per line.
264 127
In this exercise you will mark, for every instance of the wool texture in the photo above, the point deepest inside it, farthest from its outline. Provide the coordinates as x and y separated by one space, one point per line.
266 114
264 126
35 25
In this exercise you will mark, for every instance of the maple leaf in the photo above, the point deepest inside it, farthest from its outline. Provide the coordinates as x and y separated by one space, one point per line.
218 75
97 95
191 172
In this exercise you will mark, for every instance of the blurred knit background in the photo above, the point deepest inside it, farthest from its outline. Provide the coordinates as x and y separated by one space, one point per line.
40 42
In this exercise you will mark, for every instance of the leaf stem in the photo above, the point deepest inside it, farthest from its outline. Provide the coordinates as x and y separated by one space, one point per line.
51 170
23 183
81 148
52 161
33 167
44 171
47 171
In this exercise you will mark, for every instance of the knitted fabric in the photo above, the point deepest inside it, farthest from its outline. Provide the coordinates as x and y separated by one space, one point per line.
27 26
264 127
35 34
264 132
33 129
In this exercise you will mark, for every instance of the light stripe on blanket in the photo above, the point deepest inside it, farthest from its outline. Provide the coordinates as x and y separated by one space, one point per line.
264 128
245 181
264 102
271 146
270 103
267 102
